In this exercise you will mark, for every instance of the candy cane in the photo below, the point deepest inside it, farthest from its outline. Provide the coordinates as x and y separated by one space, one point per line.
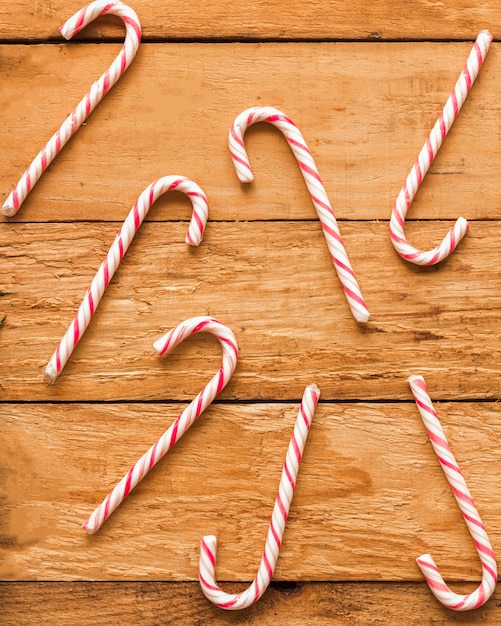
116 253
92 98
315 187
425 159
277 523
163 346
465 502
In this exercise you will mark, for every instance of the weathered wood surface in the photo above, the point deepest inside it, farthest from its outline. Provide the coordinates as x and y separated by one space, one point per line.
365 111
268 19
274 284
153 603
370 496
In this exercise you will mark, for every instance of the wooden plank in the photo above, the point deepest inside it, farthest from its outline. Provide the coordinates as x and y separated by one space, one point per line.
370 496
365 111
274 285
316 19
366 503
325 604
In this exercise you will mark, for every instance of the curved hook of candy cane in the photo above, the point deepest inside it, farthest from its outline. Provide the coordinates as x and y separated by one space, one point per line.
315 187
163 346
425 159
91 99
465 502
276 528
116 253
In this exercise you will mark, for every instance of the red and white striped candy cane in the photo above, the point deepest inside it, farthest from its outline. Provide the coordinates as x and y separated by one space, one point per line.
276 528
91 99
425 159
465 502
116 253
163 346
315 187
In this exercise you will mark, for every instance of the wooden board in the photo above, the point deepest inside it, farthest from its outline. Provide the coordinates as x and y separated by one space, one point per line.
266 19
172 110
365 83
326 604
273 283
370 497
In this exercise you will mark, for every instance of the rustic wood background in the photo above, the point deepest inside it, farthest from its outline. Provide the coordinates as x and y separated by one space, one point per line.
364 82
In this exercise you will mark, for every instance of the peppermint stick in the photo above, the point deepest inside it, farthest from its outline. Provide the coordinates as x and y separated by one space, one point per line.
116 253
276 528
315 186
426 564
91 99
425 159
188 417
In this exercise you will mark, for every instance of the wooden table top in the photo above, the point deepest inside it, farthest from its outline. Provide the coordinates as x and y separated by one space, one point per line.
365 83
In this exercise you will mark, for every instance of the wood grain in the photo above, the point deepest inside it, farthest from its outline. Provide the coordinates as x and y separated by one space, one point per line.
325 604
365 83
271 282
370 497
365 111
265 19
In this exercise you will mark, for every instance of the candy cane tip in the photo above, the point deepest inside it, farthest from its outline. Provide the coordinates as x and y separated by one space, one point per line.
210 541
426 563
313 388
462 223
8 208
193 242
414 378
361 316
245 177
63 31
50 374
158 346
90 529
